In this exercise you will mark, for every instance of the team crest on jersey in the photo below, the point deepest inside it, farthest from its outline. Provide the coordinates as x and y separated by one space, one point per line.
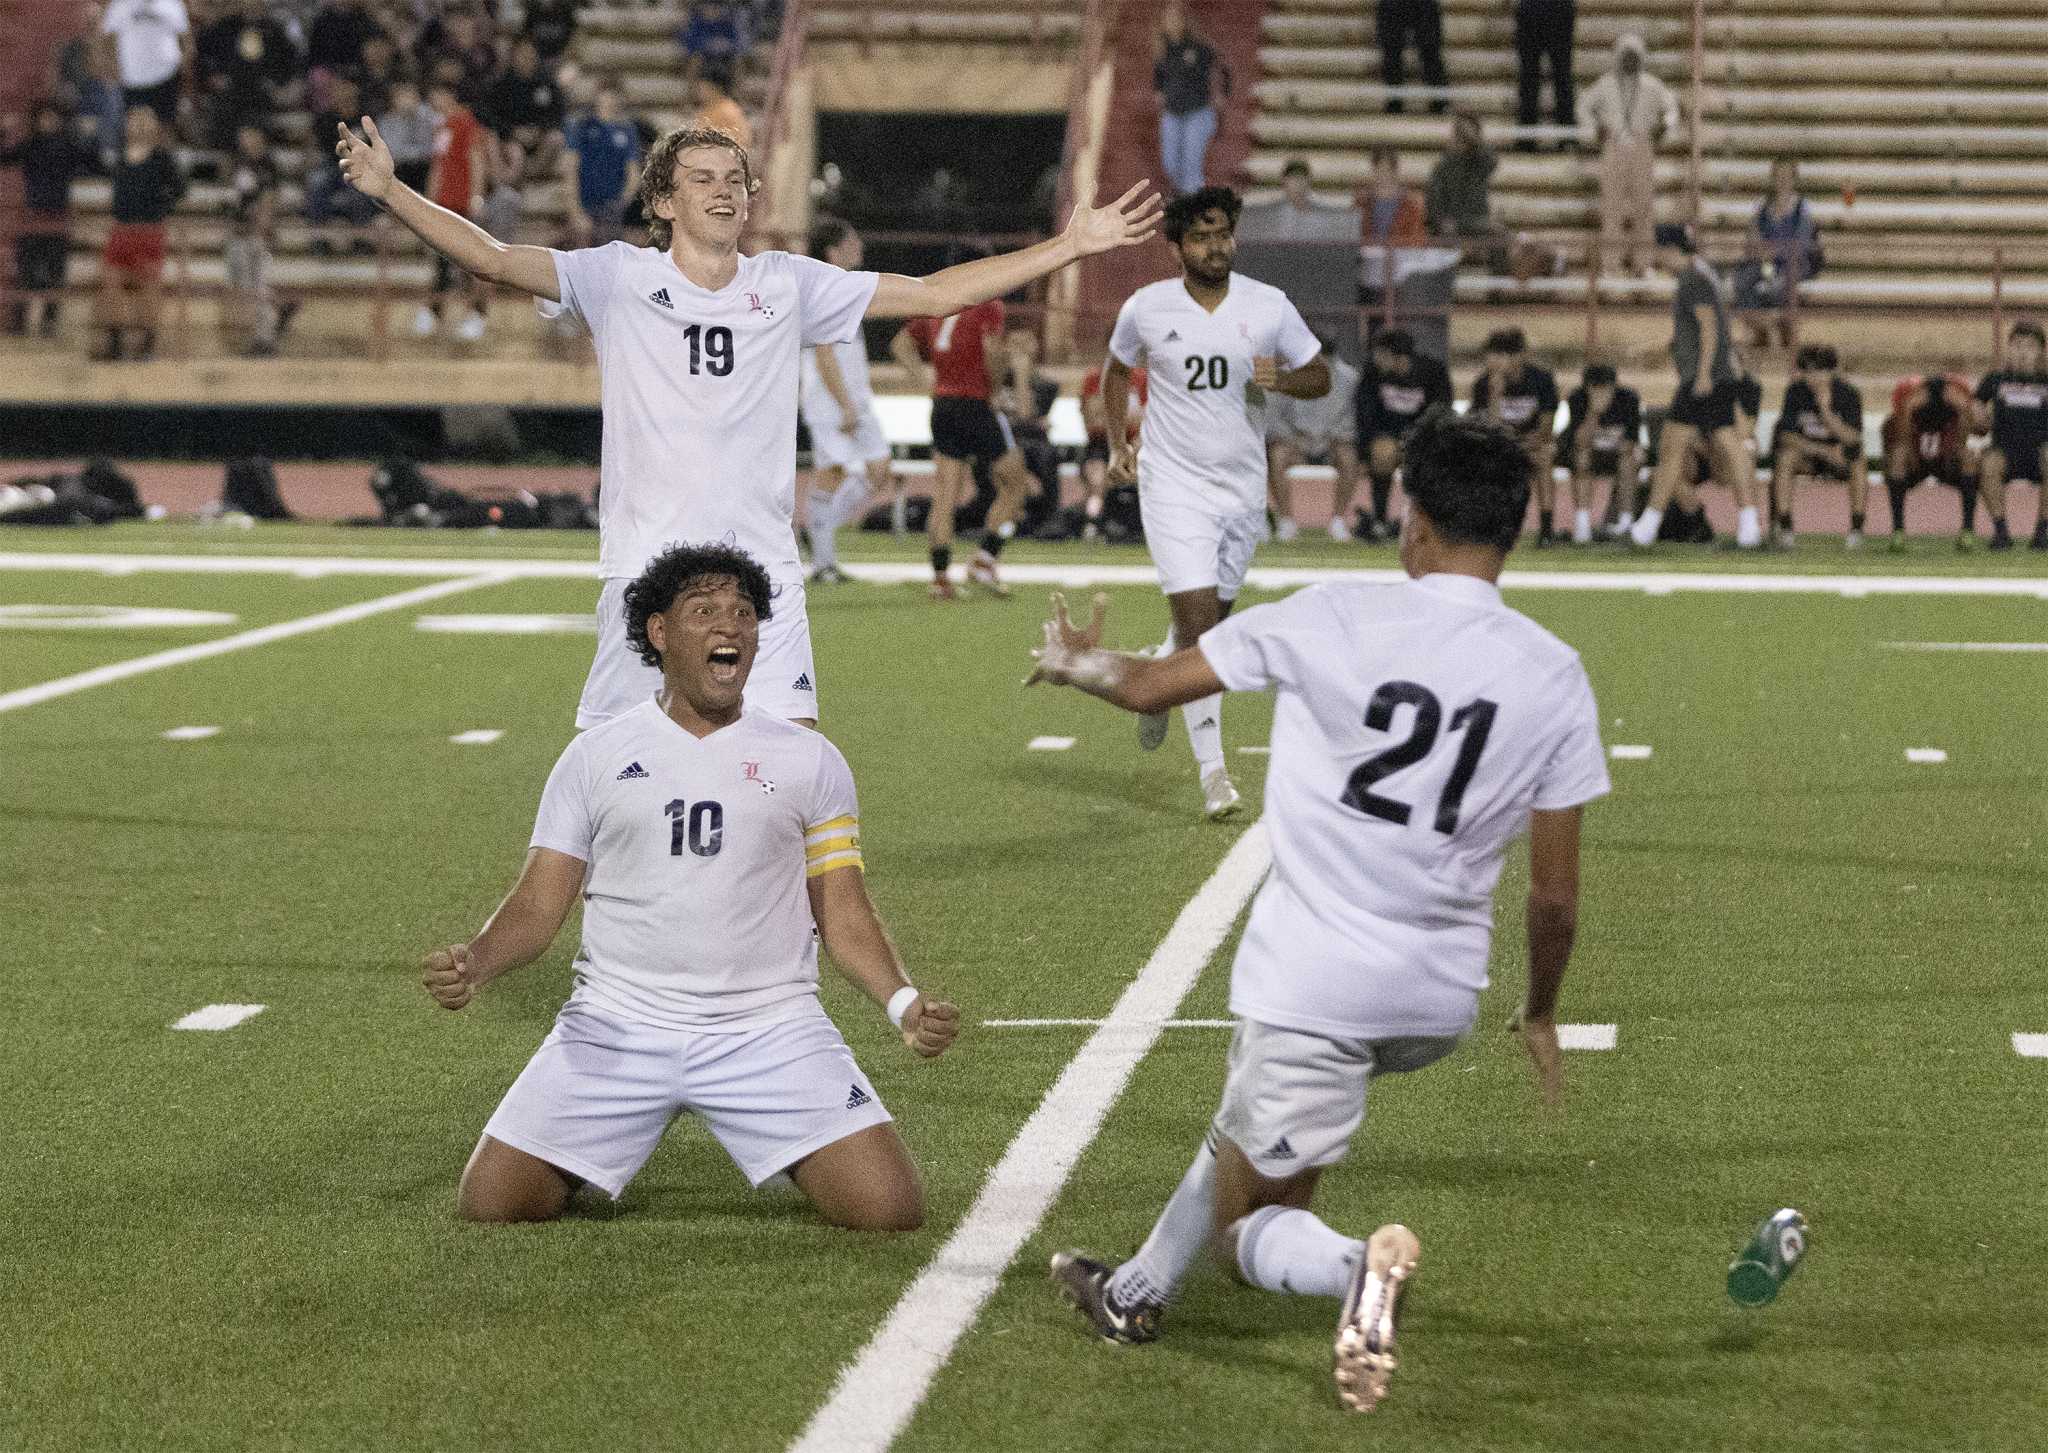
751 772
1244 330
755 305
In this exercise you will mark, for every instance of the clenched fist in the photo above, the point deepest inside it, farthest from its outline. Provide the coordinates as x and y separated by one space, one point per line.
929 1026
451 978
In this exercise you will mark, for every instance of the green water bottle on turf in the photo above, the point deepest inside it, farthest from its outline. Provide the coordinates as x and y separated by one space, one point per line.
1772 1254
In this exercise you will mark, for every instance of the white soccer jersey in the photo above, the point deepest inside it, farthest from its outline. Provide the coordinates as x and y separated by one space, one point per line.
695 913
1417 726
699 393
820 409
1205 422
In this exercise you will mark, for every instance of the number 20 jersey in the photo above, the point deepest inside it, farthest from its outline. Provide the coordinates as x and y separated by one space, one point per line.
1204 440
1417 726
695 911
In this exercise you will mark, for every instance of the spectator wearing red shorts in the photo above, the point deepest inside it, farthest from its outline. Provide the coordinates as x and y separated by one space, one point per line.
457 179
147 186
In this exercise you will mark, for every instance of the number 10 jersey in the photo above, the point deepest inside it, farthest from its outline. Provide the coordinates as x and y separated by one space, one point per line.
1417 726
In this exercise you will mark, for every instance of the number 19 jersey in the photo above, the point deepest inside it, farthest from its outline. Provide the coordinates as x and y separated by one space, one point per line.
1416 728
1204 441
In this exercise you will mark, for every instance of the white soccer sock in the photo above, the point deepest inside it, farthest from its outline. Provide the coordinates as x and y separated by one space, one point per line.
1582 527
849 500
1287 1250
1647 525
822 527
1205 731
1749 529
1177 1239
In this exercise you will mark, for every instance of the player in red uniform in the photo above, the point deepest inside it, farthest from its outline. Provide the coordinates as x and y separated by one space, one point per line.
1095 458
966 368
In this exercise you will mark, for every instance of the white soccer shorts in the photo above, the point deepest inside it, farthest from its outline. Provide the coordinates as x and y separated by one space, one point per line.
1294 1100
784 681
1193 549
832 447
599 1093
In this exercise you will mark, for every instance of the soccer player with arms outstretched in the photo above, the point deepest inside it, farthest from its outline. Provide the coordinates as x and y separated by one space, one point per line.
1420 729
714 845
1214 343
698 348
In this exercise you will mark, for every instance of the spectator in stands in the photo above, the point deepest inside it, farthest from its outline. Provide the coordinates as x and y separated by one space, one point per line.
457 180
1298 216
524 105
330 201
248 70
1543 36
1401 22
409 124
1624 115
1459 202
552 25
147 186
716 107
1394 214
152 42
714 33
375 73
458 50
334 42
251 169
600 169
51 155
253 315
1784 251
1189 78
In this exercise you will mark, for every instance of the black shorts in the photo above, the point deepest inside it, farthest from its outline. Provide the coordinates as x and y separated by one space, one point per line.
969 429
1097 449
1709 411
1828 459
2022 455
1603 463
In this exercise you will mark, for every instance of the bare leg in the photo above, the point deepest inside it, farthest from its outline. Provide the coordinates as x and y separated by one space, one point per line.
1280 458
865 1182
503 1184
1241 1190
1992 481
1344 457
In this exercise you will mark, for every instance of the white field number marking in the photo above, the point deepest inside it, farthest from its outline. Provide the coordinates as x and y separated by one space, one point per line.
879 1391
191 733
1622 753
219 1016
1586 1036
480 737
2030 1046
1049 744
1926 756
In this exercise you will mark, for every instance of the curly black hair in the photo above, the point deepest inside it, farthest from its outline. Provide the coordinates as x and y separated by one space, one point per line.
675 570
1469 475
1186 210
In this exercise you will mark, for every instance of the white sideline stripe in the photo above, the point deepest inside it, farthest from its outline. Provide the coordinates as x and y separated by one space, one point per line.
1080 1023
1049 744
1586 1036
879 1391
2031 1046
1629 754
481 737
261 636
106 617
219 1016
1999 646
191 733
1264 577
1926 756
482 624
1256 751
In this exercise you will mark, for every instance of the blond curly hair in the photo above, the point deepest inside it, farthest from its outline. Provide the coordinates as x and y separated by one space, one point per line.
658 177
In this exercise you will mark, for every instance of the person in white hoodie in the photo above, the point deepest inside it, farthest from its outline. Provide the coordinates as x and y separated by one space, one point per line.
1625 114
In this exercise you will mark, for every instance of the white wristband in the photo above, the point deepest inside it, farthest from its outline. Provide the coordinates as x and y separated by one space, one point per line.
899 1004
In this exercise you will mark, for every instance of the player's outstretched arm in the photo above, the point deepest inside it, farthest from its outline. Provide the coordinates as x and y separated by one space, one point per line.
517 934
1074 657
863 951
1553 922
1131 218
366 163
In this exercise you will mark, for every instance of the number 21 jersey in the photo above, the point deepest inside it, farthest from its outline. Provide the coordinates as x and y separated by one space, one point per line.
1417 726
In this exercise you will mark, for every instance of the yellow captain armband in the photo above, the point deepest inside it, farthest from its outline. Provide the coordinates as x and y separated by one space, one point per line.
829 845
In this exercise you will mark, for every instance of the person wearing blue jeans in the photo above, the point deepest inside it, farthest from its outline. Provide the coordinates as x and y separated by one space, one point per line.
1185 72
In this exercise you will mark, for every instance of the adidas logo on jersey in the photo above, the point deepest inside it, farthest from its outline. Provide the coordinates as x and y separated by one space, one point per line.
635 772
1173 335
1281 1150
857 1097
803 682
660 295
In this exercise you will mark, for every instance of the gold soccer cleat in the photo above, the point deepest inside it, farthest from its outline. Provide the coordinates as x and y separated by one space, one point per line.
1363 1362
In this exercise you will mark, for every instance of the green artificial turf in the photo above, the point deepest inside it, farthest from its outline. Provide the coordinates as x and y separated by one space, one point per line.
1816 954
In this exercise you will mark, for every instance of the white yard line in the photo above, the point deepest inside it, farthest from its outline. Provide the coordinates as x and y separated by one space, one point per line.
1586 1036
509 625
1995 647
1049 744
191 733
218 1016
242 641
2031 1046
1926 756
879 1391
479 737
1622 753
1077 574
1092 1023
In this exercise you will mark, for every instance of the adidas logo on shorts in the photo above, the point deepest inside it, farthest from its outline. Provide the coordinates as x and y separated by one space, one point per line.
660 295
803 682
633 773
857 1097
1281 1150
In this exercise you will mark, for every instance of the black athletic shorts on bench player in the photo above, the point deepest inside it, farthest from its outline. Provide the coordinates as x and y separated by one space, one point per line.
2022 453
969 429
1709 411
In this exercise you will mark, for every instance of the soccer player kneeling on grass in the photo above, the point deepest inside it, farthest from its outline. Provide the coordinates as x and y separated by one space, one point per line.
1420 728
706 841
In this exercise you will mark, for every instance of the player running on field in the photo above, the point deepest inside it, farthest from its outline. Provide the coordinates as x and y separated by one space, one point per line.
1214 343
2012 406
698 349
714 846
1819 436
966 357
1419 729
849 453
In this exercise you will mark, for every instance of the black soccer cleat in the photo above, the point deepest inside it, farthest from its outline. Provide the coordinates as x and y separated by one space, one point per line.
1084 1283
2040 540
